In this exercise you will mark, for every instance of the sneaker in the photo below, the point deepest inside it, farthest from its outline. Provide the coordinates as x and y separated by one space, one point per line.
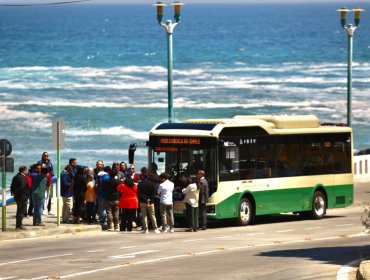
172 230
116 229
51 213
165 229
157 231
44 212
110 229
145 231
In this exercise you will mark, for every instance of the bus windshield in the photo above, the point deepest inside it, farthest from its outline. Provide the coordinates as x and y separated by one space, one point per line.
180 162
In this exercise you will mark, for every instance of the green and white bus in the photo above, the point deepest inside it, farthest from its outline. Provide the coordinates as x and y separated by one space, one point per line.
259 165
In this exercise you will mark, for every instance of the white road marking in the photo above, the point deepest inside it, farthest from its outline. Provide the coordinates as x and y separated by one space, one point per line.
162 259
295 241
239 248
93 251
5 278
263 245
120 266
128 247
344 225
159 243
208 252
132 255
287 230
33 259
224 237
256 233
93 271
358 234
192 240
326 238
309 228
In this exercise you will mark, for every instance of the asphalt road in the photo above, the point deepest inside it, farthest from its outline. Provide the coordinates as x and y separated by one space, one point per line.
276 247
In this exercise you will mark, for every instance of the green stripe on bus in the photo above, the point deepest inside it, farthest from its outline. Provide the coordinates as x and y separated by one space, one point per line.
285 200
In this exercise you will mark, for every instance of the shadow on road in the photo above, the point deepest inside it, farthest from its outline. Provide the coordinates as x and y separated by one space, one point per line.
265 219
330 255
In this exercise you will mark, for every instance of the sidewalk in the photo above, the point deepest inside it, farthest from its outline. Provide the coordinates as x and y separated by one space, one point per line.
50 228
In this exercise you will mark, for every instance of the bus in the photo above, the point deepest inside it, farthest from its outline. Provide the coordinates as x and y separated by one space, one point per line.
258 165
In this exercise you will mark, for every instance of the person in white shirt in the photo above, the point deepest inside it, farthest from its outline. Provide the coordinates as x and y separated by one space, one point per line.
191 199
165 191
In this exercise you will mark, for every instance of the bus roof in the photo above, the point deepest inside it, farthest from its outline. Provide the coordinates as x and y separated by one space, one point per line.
272 124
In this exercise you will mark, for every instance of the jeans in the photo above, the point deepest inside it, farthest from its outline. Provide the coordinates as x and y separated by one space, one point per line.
30 206
38 206
167 210
47 197
102 212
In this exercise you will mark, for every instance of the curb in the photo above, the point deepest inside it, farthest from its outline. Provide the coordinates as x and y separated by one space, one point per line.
363 269
348 271
40 232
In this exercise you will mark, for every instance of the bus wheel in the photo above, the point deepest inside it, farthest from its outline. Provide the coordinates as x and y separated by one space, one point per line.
318 205
246 215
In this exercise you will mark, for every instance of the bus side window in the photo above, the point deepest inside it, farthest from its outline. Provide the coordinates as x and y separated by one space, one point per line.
341 158
263 170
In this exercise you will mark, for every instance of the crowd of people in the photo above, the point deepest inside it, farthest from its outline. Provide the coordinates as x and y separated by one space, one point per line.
116 196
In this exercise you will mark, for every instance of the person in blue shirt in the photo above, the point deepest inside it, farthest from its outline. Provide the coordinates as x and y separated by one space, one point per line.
66 191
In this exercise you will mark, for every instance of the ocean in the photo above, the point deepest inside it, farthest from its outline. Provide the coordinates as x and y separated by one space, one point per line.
103 69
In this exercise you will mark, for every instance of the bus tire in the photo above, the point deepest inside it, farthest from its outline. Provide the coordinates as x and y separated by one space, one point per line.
246 212
318 205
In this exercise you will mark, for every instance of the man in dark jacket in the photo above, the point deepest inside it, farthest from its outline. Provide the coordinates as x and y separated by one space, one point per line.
66 180
20 190
146 194
203 199
111 199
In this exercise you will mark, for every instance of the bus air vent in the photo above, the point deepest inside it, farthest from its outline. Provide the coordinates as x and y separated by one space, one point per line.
340 200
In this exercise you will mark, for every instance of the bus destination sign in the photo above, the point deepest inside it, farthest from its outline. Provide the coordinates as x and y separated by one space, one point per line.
180 141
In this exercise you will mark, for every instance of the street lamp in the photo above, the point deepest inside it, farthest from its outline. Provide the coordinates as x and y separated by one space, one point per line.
169 27
350 29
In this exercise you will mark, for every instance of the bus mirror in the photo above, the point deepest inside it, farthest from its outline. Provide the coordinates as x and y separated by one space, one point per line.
131 153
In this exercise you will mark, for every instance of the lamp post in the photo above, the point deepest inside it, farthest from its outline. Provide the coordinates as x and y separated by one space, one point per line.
169 27
350 30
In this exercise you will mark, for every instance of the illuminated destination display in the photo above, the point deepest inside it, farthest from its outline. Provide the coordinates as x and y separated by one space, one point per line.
185 141
165 141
